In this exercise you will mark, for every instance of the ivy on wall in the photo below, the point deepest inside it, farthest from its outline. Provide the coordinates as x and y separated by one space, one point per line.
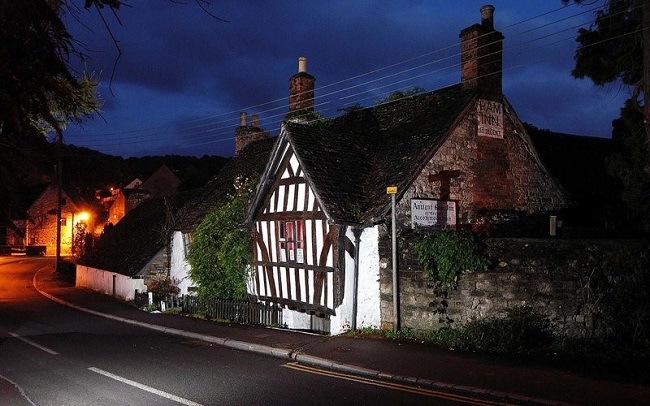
446 254
221 251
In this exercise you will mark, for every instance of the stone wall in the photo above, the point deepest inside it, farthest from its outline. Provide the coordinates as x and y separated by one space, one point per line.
485 175
157 268
552 276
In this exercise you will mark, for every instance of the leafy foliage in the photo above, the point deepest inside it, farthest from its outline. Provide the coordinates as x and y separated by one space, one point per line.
446 254
629 161
618 285
522 329
220 252
611 48
163 288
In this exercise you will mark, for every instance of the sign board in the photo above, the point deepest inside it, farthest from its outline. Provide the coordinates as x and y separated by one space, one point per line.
391 190
433 213
489 115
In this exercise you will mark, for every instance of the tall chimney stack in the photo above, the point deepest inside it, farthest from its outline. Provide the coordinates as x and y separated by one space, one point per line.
301 89
482 56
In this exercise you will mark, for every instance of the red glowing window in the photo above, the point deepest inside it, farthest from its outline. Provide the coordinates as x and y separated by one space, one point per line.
292 241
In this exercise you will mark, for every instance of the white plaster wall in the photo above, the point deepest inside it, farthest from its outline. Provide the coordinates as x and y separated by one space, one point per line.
179 267
102 281
368 300
296 320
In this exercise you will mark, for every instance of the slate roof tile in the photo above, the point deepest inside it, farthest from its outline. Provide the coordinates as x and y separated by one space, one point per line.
351 160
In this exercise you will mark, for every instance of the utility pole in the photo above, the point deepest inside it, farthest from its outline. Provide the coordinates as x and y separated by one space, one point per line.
59 197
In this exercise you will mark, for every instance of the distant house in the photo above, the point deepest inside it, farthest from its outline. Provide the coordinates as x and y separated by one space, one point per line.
40 227
454 157
151 241
161 183
130 254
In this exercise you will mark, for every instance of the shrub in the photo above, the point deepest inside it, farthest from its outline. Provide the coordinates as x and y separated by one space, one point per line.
221 251
523 329
163 288
444 255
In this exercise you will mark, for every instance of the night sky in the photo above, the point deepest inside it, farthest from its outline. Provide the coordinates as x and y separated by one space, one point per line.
185 76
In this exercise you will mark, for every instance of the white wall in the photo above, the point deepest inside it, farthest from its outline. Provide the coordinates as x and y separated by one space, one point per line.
105 281
368 300
179 271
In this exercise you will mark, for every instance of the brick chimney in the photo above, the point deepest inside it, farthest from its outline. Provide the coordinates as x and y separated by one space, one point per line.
245 134
482 56
301 89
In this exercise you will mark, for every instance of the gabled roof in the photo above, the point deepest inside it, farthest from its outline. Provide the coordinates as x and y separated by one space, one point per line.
350 160
50 192
129 245
163 182
248 164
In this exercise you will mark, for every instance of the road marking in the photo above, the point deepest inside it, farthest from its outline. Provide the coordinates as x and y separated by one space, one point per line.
30 342
19 389
145 387
395 386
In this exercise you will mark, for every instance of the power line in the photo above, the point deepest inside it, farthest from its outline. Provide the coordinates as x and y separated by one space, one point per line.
204 127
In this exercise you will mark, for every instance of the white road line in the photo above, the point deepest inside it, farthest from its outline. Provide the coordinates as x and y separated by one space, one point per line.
30 342
145 387
19 389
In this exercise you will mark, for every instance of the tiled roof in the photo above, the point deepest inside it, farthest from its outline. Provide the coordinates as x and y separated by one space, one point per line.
145 230
351 160
249 163
127 247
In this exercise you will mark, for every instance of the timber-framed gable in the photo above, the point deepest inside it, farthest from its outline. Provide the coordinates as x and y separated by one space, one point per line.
297 259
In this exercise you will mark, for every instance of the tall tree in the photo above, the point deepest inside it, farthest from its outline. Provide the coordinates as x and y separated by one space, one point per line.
617 47
38 93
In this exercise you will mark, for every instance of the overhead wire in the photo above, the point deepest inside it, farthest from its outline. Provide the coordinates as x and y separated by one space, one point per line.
207 128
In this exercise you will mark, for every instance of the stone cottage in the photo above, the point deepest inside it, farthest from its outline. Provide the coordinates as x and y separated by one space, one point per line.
454 157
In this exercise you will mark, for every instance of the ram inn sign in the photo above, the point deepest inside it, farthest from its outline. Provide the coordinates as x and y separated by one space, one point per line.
489 115
433 213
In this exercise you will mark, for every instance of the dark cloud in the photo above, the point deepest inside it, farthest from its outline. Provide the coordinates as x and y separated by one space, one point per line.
185 76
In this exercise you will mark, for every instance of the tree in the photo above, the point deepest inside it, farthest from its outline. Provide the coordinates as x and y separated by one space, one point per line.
38 93
617 47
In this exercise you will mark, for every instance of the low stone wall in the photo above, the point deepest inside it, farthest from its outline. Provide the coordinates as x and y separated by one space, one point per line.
553 276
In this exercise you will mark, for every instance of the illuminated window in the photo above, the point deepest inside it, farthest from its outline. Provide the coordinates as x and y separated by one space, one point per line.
292 241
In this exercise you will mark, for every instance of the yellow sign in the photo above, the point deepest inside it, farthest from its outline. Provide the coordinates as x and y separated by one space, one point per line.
391 190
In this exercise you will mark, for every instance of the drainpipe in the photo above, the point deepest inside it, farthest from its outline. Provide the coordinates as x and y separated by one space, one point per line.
357 242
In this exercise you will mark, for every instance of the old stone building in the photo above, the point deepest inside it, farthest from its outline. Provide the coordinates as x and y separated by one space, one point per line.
454 157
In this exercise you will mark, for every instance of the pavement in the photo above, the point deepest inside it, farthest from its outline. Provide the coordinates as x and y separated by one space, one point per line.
516 381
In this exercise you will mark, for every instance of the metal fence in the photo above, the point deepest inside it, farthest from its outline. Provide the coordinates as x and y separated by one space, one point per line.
245 312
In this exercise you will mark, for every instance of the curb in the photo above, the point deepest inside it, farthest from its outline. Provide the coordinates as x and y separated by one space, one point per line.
287 354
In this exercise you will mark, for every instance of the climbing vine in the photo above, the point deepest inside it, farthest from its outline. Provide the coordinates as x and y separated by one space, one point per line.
444 255
221 252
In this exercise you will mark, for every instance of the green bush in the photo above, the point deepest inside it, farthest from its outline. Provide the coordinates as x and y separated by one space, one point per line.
444 255
523 329
221 251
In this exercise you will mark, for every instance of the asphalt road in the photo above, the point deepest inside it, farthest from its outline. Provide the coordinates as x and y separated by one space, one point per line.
54 355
